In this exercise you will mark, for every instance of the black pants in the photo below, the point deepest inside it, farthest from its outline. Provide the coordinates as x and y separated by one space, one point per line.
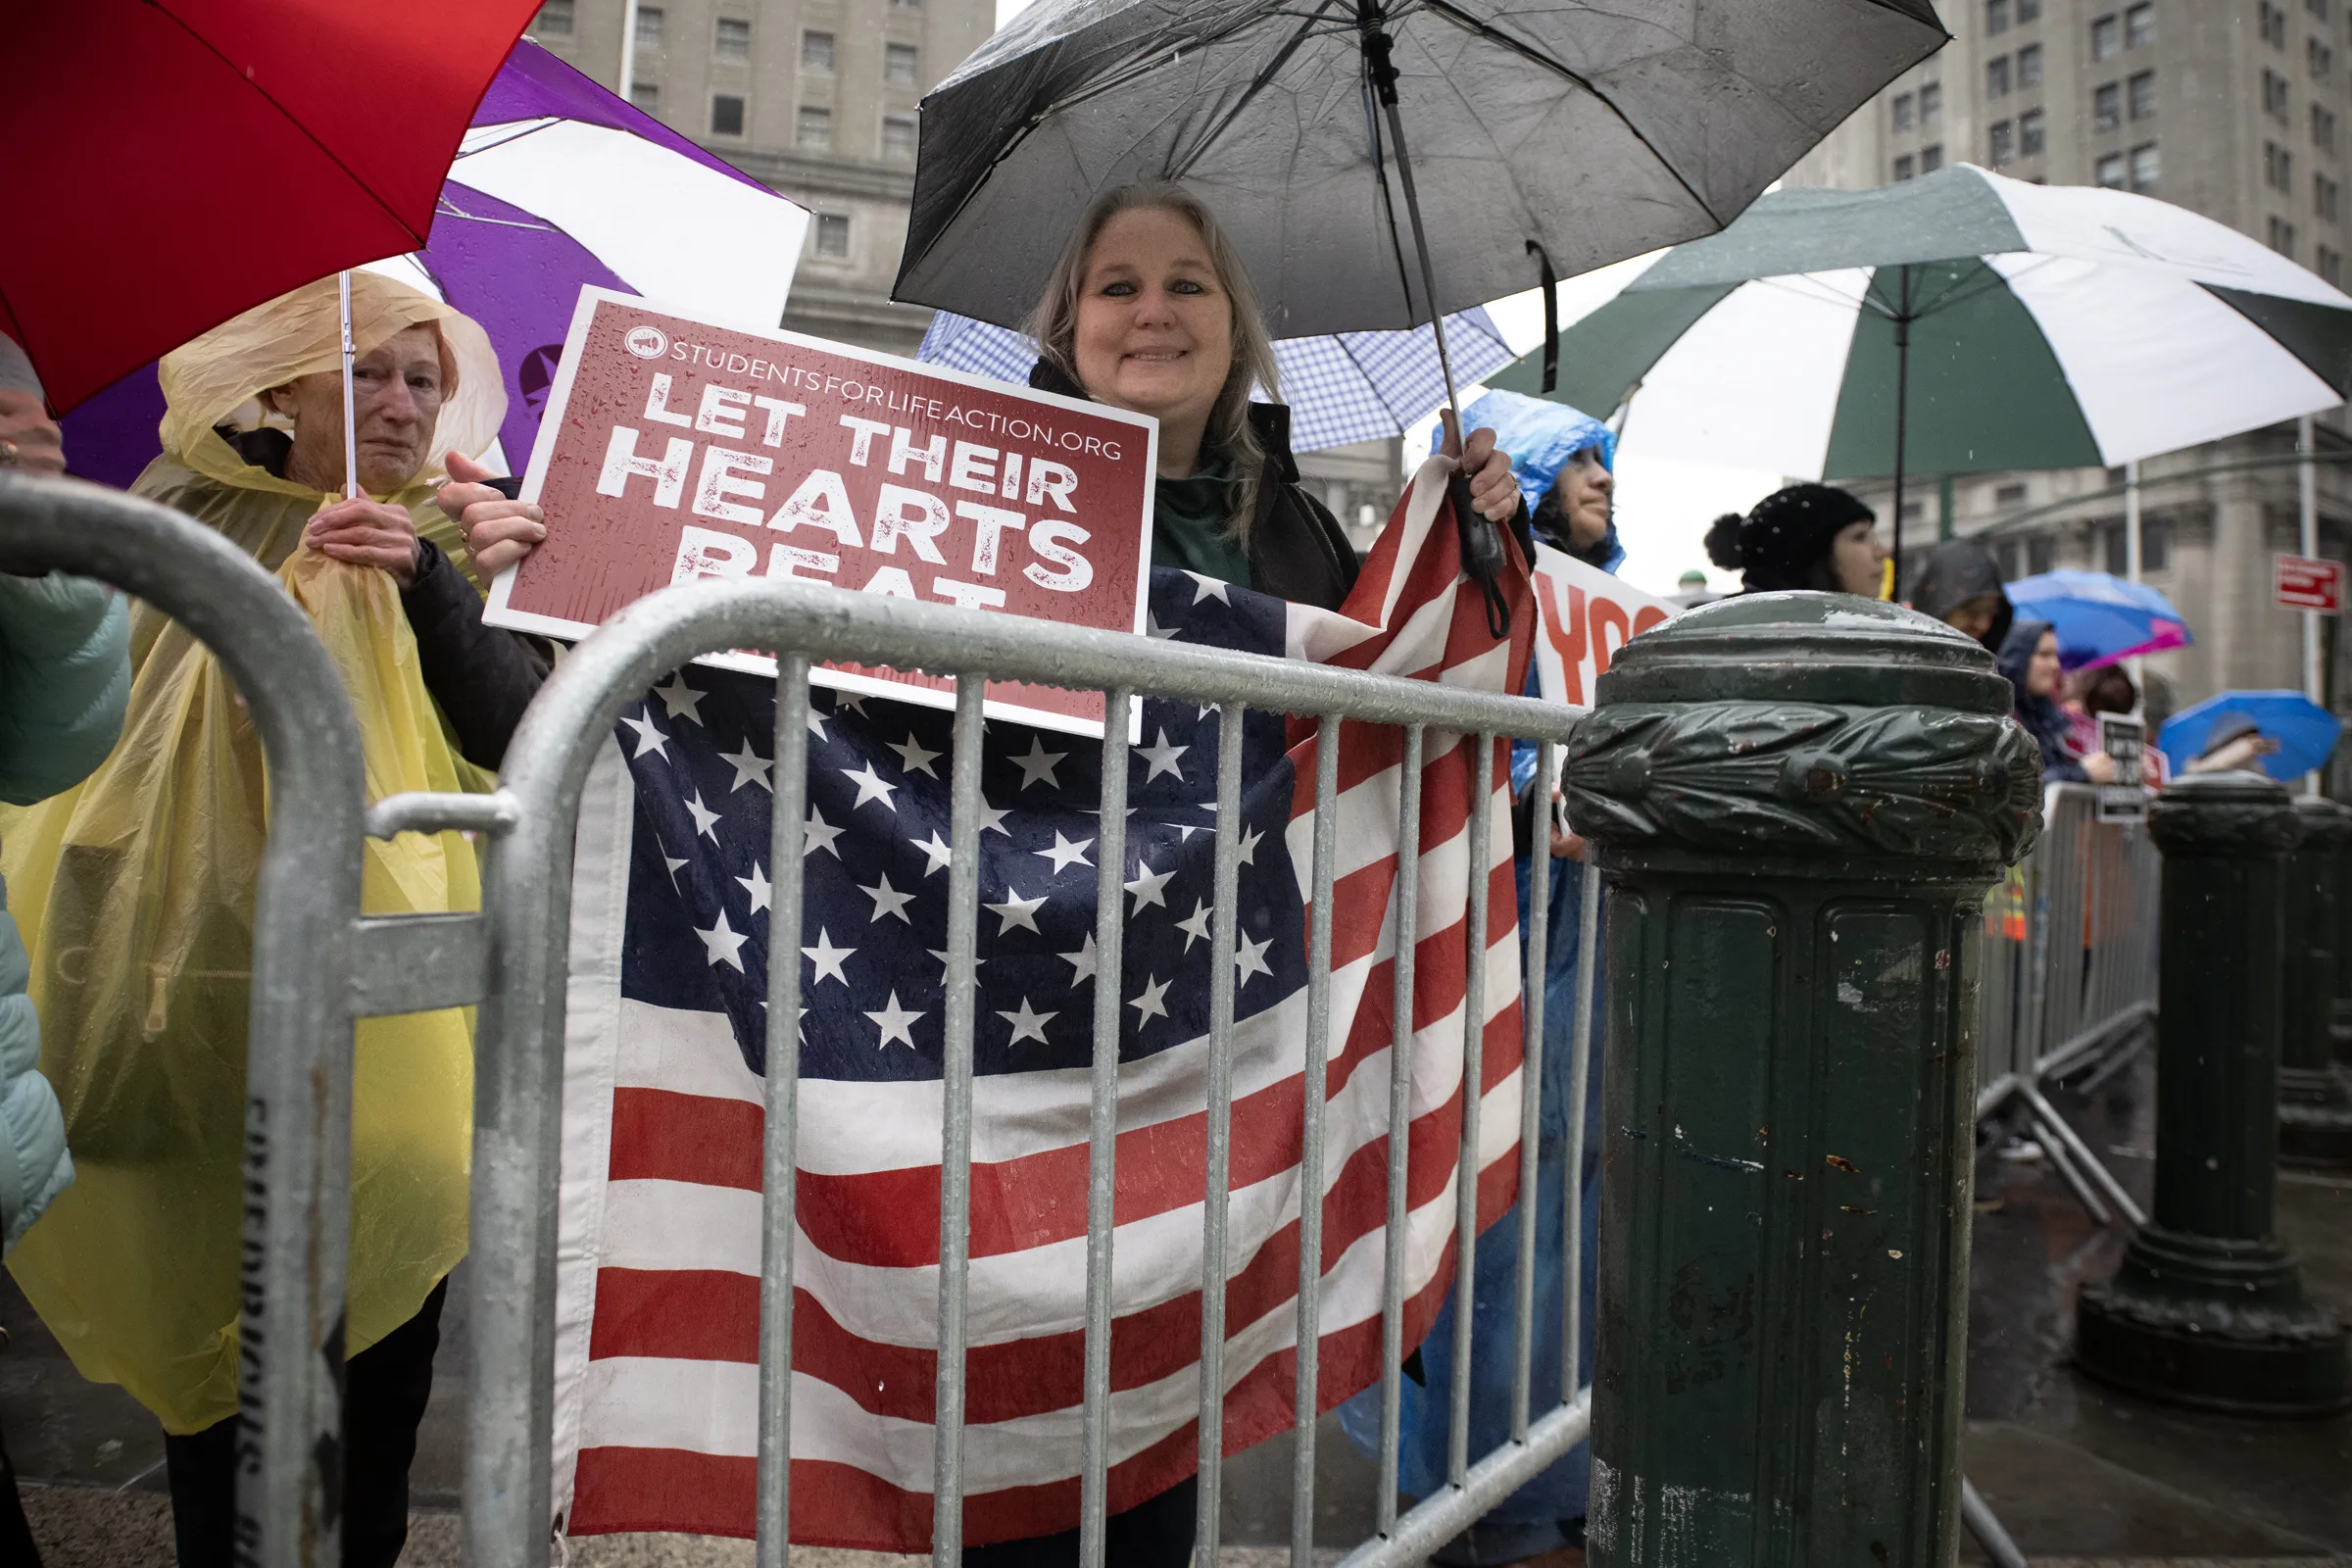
1155 1534
385 1388
16 1534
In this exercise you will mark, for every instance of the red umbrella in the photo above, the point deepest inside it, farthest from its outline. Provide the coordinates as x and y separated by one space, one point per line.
178 161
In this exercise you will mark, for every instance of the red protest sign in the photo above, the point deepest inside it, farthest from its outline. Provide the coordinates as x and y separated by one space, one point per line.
2304 582
672 450
1586 616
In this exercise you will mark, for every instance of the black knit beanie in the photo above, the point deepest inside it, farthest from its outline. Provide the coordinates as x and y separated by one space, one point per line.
1788 534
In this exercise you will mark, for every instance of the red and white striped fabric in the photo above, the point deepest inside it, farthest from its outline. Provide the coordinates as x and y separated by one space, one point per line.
658 1305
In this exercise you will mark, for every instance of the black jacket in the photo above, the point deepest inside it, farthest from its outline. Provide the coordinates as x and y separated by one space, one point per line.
1296 548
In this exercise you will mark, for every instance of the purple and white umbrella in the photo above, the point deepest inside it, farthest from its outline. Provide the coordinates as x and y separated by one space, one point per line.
1346 386
559 183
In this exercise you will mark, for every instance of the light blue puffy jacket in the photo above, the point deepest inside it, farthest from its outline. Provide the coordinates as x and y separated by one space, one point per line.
65 676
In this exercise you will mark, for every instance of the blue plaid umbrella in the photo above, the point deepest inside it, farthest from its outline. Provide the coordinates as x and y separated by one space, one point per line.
1350 386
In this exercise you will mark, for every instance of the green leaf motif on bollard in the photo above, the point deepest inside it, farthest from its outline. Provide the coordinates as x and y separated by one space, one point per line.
1799 801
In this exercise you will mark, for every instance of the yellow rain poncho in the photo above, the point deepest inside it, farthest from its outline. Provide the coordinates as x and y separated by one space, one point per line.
135 892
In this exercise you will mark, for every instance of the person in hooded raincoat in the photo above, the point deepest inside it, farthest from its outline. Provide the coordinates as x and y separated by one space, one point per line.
2028 658
136 895
1562 463
1960 585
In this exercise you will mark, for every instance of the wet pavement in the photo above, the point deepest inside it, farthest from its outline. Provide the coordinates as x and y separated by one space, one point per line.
2081 1476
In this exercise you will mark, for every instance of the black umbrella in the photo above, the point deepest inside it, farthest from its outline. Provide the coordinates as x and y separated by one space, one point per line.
1543 135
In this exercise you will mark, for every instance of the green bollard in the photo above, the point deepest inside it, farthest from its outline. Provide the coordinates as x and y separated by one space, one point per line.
2315 1099
1799 802
2207 1308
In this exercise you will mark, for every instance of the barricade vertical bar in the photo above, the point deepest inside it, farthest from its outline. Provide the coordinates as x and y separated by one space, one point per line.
955 1151
1534 971
778 1225
1310 1147
1103 1132
1579 1071
1474 1040
1401 1119
1217 1195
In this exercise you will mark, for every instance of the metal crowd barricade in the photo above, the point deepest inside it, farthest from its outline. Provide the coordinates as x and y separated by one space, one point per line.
2068 976
320 964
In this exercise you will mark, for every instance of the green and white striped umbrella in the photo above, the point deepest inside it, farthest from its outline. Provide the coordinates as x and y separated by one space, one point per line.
2047 327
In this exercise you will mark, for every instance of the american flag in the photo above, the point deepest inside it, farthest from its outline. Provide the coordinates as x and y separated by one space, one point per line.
658 1310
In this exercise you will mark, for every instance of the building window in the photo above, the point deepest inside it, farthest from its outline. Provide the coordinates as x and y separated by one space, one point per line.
2283 236
1930 158
2143 94
905 4
1905 168
1930 106
1997 77
2318 8
1996 15
812 129
2329 265
726 114
2107 105
2031 136
2319 57
2004 558
553 20
2272 22
2145 167
2139 26
649 27
2274 94
2041 553
2322 129
2325 197
1902 111
2028 11
833 235
2009 495
2106 38
816 53
733 40
900 137
901 64
2002 143
2110 171
646 95
2028 66
2277 167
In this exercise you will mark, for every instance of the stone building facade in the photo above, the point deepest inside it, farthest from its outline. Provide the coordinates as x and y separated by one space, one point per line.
2240 110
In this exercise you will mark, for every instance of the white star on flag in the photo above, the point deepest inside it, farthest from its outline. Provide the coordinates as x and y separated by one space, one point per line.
941 953
816 725
1149 1003
938 850
913 758
896 1024
816 834
1163 757
750 767
1250 844
720 945
679 698
1027 1024
757 886
871 786
673 867
648 735
1038 766
992 818
1195 927
1064 853
828 959
1148 885
849 700
888 900
704 818
1250 957
1152 627
1018 910
1208 588
1081 962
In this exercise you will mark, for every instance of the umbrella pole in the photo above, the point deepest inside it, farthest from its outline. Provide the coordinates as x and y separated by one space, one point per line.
1903 410
351 435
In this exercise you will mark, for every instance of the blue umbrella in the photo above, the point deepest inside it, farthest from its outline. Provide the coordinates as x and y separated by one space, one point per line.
1349 386
2099 617
2305 731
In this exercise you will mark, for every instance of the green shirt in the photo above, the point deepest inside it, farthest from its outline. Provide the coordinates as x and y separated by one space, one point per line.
1190 525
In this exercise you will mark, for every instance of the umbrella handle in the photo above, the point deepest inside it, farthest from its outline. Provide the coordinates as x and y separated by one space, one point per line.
1482 554
351 434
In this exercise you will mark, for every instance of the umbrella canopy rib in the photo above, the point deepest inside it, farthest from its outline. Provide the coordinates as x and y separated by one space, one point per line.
1181 164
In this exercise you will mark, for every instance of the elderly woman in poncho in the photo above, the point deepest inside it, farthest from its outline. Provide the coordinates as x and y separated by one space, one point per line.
136 889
